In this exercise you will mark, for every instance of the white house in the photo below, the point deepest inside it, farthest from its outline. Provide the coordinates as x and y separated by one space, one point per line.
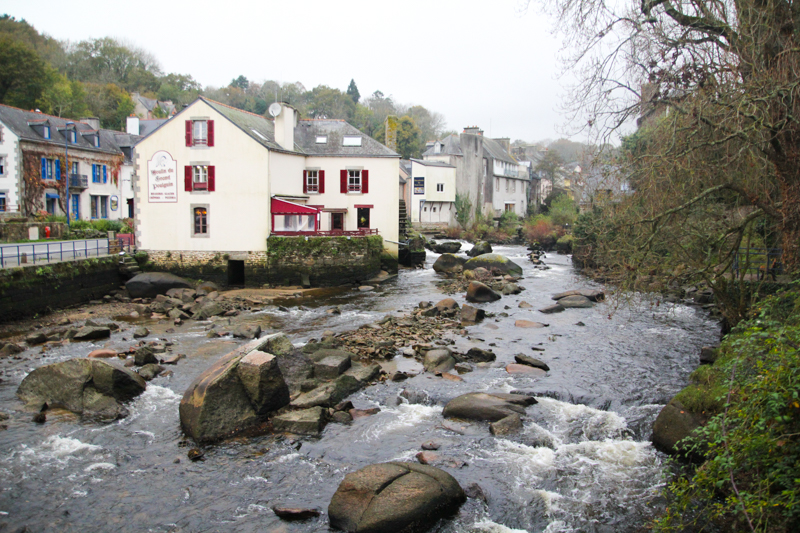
34 148
433 193
215 180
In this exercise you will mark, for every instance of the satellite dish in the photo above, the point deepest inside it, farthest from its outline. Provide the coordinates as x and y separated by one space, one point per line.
275 109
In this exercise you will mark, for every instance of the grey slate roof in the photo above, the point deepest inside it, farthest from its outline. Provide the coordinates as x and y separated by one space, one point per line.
497 151
146 126
305 135
451 145
433 163
256 126
19 121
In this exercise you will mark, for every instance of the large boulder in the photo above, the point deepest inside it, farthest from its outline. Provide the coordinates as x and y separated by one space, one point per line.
673 424
487 406
151 284
90 387
494 263
593 294
450 247
235 394
309 421
90 333
575 301
480 248
394 498
439 360
478 292
449 264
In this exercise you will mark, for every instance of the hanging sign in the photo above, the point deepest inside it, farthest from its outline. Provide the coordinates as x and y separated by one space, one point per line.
114 203
162 178
419 185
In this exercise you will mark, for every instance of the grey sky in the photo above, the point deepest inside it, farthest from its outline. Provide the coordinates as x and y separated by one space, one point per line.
477 63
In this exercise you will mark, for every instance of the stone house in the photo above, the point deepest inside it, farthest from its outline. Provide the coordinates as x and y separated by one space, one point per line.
33 166
433 193
148 108
217 188
485 171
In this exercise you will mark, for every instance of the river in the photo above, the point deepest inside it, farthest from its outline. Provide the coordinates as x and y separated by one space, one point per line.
582 463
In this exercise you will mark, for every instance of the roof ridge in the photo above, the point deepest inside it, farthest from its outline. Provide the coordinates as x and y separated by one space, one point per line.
329 119
230 107
41 113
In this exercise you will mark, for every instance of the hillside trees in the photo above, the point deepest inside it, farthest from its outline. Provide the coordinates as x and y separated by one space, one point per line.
715 87
23 75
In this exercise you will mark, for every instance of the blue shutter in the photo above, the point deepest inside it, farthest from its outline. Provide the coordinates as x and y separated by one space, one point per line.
57 163
105 176
44 168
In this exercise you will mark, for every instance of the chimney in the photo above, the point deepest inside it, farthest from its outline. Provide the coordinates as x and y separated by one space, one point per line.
474 130
505 142
132 126
284 127
93 122
390 139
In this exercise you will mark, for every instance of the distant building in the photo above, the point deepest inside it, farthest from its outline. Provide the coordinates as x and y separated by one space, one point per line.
485 172
33 169
149 108
433 194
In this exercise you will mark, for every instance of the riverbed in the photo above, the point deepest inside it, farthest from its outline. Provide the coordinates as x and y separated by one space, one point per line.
582 462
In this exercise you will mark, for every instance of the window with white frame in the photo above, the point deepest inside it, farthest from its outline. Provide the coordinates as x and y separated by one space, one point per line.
99 206
513 186
312 180
440 187
322 139
351 140
200 221
46 132
200 177
200 131
48 172
2 165
353 181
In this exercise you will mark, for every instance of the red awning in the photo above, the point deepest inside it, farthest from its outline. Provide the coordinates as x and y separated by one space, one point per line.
282 207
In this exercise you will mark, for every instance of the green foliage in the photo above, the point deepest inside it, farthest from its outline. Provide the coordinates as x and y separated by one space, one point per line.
563 211
23 74
564 244
749 480
109 103
409 138
509 220
463 209
352 91
540 229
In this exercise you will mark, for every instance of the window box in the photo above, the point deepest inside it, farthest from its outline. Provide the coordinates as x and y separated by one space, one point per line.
199 178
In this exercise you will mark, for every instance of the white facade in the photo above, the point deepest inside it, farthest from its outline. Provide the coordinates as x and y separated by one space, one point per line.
433 193
247 167
10 163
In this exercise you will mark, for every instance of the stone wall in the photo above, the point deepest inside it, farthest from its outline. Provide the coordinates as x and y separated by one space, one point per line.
31 290
18 231
326 261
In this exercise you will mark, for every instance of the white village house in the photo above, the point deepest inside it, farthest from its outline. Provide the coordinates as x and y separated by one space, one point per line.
214 184
433 194
33 166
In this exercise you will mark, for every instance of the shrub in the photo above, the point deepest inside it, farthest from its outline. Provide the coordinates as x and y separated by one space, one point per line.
749 480
564 244
540 229
453 233
563 211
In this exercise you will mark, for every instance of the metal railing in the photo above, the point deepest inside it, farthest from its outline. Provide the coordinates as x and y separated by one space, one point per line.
47 252
764 262
79 181
334 233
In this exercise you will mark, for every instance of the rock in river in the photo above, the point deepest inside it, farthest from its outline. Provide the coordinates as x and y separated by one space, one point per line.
494 263
235 393
91 387
479 292
151 284
487 406
394 498
449 247
448 264
480 248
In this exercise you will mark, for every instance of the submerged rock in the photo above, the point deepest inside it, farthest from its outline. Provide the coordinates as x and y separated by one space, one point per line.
394 498
90 387
487 406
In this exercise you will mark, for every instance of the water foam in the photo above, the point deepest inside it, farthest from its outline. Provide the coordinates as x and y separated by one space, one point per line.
568 420
55 449
493 527
403 416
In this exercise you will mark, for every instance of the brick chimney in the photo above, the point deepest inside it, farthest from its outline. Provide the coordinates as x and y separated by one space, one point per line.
473 130
93 122
284 126
132 125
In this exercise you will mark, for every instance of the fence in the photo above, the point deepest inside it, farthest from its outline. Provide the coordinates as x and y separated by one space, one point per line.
47 252
764 262
334 233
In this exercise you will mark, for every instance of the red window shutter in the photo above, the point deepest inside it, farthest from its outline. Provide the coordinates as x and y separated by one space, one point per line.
212 182
187 177
343 176
305 181
210 133
365 181
188 133
321 181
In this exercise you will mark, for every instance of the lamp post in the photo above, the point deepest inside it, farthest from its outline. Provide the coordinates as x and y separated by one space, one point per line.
66 157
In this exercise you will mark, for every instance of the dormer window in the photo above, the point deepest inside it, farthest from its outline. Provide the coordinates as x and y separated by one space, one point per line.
46 131
71 136
96 141
351 140
322 139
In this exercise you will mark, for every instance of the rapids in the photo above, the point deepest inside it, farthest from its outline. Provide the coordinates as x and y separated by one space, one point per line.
582 462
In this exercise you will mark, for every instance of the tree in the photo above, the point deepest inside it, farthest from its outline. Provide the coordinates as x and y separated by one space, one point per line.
352 91
108 60
325 102
48 49
23 75
240 82
549 164
110 103
62 97
717 82
430 123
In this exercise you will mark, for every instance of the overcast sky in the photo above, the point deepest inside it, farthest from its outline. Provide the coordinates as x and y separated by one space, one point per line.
478 63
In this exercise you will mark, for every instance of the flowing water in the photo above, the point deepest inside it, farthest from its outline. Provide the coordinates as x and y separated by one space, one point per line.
582 463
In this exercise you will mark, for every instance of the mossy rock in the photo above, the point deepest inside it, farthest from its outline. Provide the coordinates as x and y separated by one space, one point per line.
494 263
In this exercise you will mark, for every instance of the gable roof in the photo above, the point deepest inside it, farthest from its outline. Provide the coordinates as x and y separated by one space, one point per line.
450 145
306 132
259 128
497 151
20 122
429 163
